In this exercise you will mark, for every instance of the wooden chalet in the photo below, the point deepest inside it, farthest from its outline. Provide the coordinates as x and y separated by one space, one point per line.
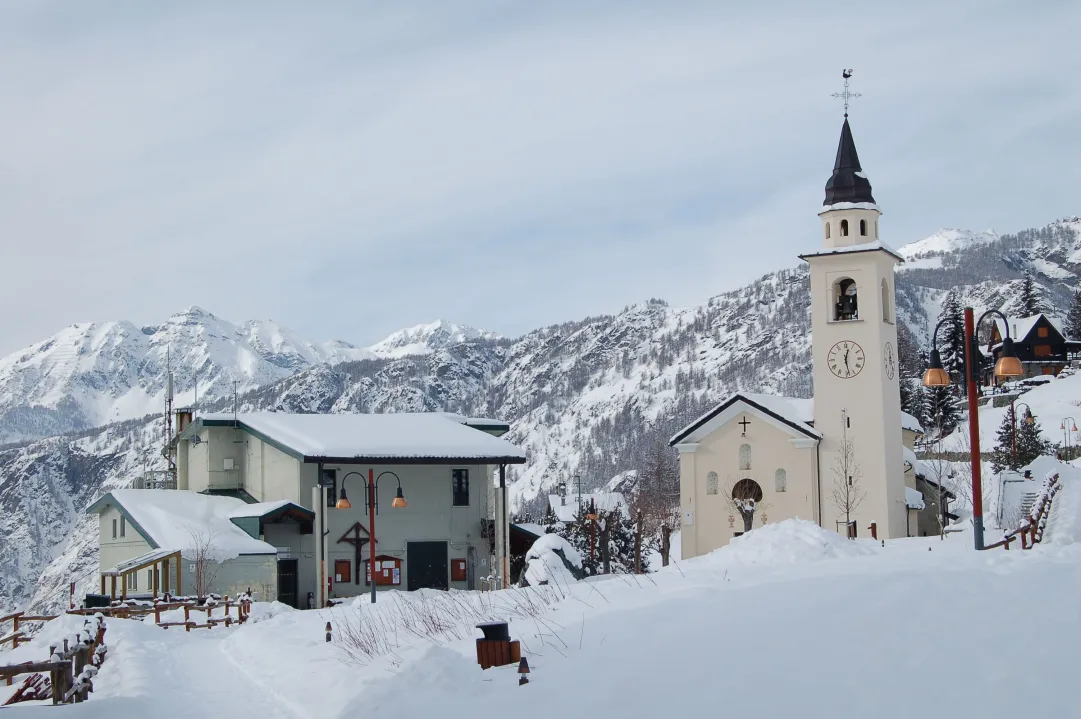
1040 343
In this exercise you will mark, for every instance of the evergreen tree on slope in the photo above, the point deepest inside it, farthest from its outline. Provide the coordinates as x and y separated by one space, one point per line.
1002 455
1073 319
951 338
1030 444
1031 301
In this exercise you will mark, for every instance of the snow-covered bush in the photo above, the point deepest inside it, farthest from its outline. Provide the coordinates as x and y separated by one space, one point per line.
552 560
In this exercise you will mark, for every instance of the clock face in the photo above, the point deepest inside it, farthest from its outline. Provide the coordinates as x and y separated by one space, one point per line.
890 359
846 359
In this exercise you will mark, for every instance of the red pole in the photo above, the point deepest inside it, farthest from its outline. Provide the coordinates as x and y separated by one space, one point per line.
974 429
592 538
1013 433
371 529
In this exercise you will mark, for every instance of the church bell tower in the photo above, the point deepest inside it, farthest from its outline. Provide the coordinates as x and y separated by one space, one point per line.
857 405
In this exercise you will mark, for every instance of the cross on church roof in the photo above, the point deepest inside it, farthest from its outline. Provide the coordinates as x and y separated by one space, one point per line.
744 422
845 94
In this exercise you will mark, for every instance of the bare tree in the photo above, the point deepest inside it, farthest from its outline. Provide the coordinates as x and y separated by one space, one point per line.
745 498
939 469
657 497
201 556
847 493
961 443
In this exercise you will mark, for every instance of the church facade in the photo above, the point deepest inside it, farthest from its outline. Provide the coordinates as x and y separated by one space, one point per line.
836 460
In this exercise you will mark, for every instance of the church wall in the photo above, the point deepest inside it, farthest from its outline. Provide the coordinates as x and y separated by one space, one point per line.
715 521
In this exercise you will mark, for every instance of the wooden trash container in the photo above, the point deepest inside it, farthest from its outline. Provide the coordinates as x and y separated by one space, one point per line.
496 648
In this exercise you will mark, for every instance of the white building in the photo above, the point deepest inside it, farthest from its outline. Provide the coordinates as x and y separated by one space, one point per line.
310 473
836 460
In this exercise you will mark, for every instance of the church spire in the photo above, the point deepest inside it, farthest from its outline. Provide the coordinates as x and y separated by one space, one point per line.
848 183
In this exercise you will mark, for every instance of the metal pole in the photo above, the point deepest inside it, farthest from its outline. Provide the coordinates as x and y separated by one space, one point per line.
974 430
503 520
371 529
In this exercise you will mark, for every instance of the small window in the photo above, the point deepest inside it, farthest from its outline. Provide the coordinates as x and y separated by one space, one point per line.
780 478
123 527
744 457
133 580
1041 332
459 480
342 571
330 477
114 529
711 483
863 227
885 300
1043 350
844 228
827 230
150 579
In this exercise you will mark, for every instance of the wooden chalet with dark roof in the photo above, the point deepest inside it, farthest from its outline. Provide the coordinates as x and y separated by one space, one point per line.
1039 342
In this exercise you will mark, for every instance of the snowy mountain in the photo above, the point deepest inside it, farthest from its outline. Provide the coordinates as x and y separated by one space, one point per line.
422 339
92 373
596 397
945 241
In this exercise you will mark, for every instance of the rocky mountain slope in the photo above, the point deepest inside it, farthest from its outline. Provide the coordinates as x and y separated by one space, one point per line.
594 397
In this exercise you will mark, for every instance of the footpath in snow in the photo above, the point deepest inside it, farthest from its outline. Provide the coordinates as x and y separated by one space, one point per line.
789 620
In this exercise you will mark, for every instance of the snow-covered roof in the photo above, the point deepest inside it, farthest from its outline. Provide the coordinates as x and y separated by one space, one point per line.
168 519
375 437
861 247
794 412
603 501
537 530
262 509
910 423
1021 326
849 205
913 498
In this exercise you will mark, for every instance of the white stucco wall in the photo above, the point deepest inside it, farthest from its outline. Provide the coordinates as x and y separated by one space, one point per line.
871 399
715 522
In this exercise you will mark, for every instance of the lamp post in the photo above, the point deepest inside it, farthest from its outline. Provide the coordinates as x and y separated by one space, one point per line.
372 485
936 376
1067 429
1013 423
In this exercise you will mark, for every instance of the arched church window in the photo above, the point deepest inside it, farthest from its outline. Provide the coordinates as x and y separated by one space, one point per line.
711 483
827 230
745 456
845 305
863 227
844 228
780 478
885 300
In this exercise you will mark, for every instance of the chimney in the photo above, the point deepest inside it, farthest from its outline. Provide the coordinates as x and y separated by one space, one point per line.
183 418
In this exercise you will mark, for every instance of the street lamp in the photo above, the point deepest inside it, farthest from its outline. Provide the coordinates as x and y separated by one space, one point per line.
372 485
1067 429
1013 422
1007 366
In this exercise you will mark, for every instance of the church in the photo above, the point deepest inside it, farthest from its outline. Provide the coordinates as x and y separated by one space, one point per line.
837 460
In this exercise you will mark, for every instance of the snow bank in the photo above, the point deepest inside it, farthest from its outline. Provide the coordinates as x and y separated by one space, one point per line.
793 541
545 566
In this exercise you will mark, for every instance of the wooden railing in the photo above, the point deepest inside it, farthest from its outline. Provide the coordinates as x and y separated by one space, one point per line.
71 669
18 619
132 610
1031 532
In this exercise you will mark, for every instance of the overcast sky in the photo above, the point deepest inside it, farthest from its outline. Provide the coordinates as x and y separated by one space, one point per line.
349 169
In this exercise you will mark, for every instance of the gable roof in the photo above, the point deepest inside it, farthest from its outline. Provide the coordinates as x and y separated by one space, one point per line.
173 519
910 423
1022 326
399 438
795 413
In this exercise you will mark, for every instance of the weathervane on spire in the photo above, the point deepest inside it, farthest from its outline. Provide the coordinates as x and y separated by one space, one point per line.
846 95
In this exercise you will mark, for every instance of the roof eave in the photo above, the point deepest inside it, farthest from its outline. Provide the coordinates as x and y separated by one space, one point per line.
384 460
725 405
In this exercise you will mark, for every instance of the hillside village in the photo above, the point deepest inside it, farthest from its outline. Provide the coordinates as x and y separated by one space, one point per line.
849 487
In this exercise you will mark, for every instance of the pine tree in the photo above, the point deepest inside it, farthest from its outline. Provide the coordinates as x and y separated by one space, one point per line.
951 338
616 543
1002 455
1031 301
577 534
940 410
1030 445
1073 319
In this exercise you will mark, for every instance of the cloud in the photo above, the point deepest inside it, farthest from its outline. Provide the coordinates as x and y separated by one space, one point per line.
349 170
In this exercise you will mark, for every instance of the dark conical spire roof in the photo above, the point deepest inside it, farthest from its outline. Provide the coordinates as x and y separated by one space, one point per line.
847 184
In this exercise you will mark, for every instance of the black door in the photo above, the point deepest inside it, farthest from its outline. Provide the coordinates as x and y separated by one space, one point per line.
426 565
287 582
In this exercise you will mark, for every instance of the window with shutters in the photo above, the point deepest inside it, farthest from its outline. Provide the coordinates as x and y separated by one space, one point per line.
1041 331
1043 350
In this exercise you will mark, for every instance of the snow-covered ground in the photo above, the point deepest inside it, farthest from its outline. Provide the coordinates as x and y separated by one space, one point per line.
790 620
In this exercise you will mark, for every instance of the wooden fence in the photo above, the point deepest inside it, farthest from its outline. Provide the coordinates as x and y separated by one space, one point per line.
71 668
1031 532
18 619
